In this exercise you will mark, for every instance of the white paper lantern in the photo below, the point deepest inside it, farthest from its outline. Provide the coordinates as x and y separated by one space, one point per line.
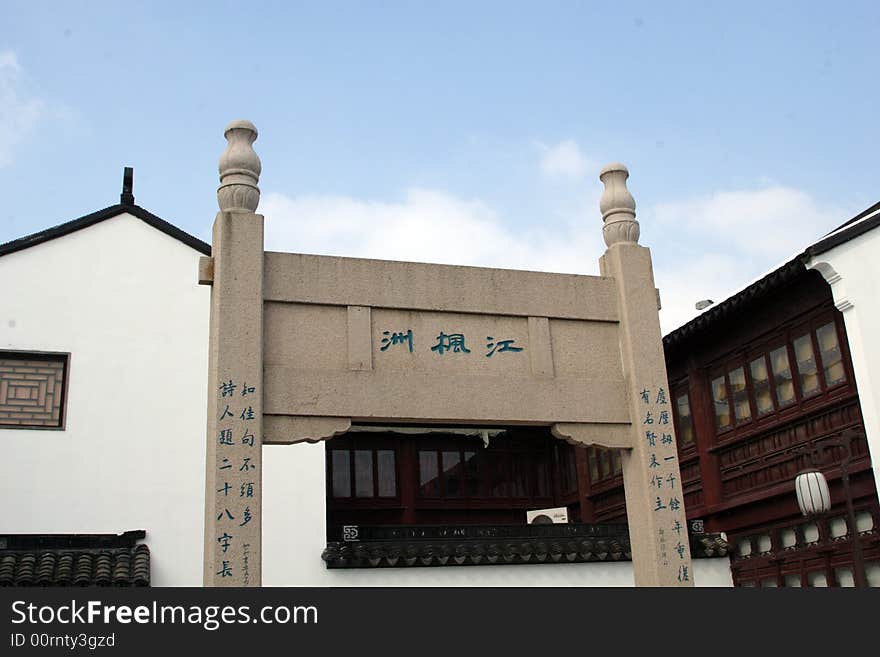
812 492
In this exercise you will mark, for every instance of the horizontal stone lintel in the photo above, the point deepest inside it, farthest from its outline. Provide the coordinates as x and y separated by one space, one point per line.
401 396
335 281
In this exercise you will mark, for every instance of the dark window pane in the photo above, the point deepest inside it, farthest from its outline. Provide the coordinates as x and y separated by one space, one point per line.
363 473
572 469
452 473
520 480
616 465
782 376
471 474
565 459
387 473
428 476
685 422
806 365
542 474
761 384
604 463
740 395
832 361
559 461
341 465
722 408
498 464
593 457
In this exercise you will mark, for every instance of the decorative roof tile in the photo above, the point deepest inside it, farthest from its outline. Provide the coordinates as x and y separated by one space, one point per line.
388 547
74 560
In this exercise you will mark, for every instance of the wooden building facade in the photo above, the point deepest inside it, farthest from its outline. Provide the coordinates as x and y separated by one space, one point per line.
758 383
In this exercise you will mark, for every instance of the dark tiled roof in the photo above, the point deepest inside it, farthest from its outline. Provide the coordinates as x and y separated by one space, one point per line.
773 281
120 567
79 560
101 215
577 547
847 231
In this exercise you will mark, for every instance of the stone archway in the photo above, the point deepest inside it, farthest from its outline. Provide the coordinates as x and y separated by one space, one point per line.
302 346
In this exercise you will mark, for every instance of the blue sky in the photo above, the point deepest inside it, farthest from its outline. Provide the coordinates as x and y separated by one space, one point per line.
469 133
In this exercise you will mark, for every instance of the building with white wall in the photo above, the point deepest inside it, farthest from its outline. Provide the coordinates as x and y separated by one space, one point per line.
848 260
112 299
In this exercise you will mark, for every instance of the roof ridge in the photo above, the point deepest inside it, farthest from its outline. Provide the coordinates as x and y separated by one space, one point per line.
98 216
861 215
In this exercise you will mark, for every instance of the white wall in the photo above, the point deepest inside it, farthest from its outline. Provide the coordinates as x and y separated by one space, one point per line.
294 535
853 271
122 298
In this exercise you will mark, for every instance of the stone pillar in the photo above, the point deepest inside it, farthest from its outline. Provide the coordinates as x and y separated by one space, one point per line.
233 495
651 477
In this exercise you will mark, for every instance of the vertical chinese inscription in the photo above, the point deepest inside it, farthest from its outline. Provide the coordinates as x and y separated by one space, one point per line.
665 487
237 478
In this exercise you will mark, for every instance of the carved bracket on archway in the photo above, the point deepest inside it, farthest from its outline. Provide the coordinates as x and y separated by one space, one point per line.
615 436
291 429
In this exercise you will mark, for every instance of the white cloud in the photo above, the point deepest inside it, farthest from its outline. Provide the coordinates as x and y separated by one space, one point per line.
713 276
19 112
713 246
769 222
564 161
426 226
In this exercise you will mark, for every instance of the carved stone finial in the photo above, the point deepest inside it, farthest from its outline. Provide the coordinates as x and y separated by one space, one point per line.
618 207
239 169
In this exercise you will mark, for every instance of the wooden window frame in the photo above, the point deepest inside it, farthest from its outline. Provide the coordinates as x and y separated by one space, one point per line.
782 338
483 499
595 455
771 387
363 442
715 374
448 445
407 474
681 389
842 346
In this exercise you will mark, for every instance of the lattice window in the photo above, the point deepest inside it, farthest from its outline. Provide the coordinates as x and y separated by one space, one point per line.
32 390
